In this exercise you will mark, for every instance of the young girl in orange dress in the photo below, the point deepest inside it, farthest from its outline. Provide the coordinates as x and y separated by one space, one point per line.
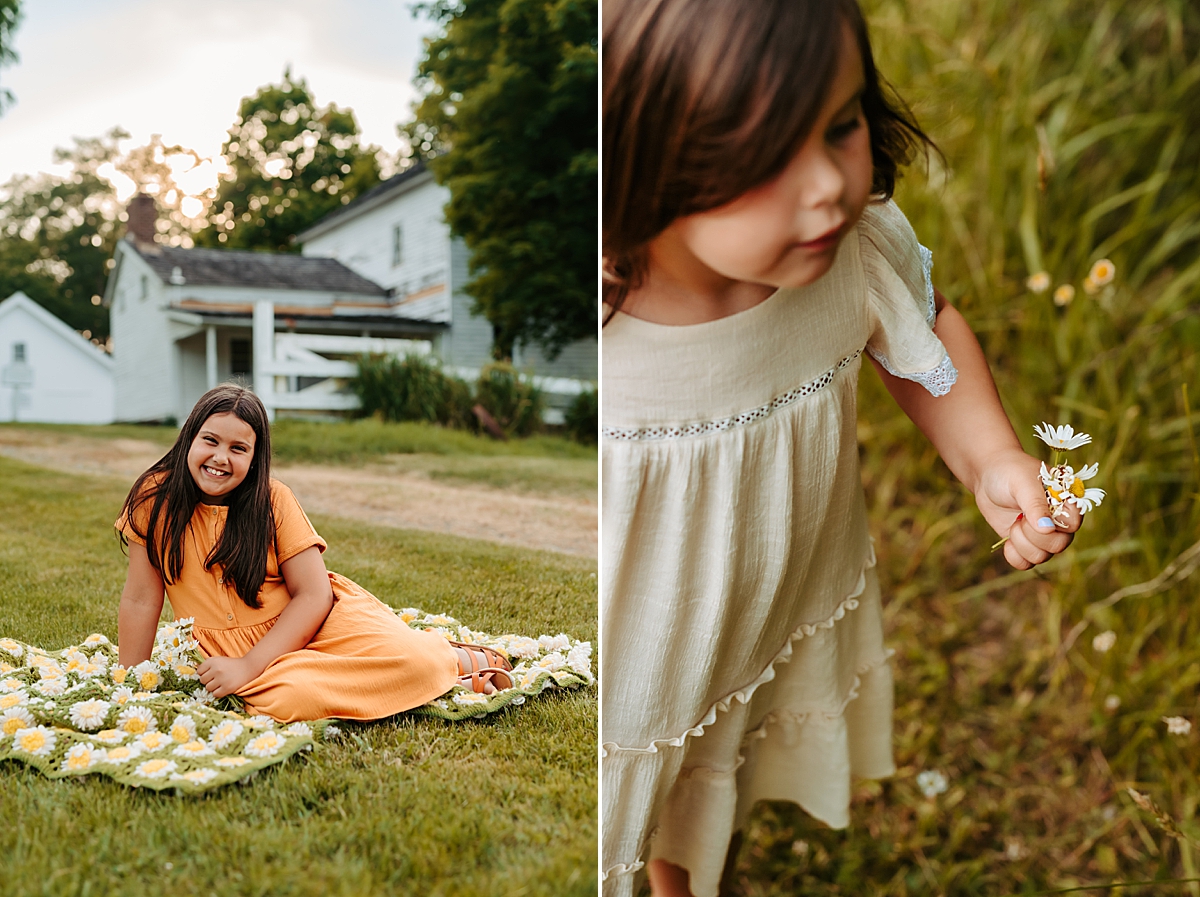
753 259
231 547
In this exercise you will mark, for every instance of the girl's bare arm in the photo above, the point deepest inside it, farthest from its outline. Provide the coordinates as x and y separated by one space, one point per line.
312 599
972 433
141 605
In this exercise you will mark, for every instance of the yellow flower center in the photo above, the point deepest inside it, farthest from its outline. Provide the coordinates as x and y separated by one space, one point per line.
82 760
9 701
12 724
1077 488
33 741
135 725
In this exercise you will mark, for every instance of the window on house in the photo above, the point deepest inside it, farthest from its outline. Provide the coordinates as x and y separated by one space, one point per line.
240 361
145 287
18 352
397 245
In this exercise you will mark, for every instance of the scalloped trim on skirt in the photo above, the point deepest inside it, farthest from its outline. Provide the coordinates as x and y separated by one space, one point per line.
746 692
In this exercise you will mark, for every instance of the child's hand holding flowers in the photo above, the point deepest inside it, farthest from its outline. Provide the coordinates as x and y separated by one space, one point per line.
1063 501
1011 499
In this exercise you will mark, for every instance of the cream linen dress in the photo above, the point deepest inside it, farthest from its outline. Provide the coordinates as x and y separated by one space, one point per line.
743 650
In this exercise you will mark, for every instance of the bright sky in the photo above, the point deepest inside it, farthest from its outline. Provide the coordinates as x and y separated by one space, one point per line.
180 69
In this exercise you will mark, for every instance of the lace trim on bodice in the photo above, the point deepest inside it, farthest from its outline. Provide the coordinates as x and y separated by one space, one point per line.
704 428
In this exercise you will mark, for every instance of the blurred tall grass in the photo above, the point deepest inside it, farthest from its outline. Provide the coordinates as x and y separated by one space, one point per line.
1071 131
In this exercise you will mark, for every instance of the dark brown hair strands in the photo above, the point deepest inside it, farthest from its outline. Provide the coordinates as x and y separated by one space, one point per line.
707 99
241 551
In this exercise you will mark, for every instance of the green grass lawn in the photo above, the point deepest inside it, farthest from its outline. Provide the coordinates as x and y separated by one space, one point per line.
998 684
502 806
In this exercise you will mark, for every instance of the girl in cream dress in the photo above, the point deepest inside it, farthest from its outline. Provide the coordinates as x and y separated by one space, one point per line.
753 261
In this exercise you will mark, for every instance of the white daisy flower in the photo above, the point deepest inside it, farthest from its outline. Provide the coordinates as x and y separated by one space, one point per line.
14 719
232 761
196 776
522 646
1111 703
225 734
265 745
1104 641
82 756
1177 725
185 671
147 675
202 695
13 699
96 639
331 731
552 662
122 695
6 667
76 661
468 699
12 648
122 753
299 730
1063 295
259 721
51 671
111 736
153 741
89 715
408 614
37 741
183 729
50 687
560 642
1102 273
932 783
1089 499
11 684
530 677
137 721
157 768
1038 283
193 749
1063 438
118 674
579 658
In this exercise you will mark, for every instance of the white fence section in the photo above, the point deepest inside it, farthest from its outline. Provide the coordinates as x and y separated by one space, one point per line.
282 360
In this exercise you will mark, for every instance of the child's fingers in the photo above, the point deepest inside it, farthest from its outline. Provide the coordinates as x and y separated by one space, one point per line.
1020 551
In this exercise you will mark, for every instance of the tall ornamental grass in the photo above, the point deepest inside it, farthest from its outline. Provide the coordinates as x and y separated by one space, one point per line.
1059 706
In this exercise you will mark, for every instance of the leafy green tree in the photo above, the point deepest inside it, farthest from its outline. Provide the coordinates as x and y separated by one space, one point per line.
508 124
57 234
10 16
291 162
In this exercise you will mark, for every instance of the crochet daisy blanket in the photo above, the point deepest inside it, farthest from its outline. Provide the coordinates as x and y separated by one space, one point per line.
78 712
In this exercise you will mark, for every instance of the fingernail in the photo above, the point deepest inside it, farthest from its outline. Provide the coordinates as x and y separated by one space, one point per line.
1045 523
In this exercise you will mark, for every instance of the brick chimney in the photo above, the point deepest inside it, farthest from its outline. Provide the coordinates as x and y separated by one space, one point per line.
142 217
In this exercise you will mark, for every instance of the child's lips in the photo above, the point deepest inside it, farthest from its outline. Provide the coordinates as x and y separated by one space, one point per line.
826 240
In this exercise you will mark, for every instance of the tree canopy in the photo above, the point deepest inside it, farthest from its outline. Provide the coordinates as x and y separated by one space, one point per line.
10 15
291 162
508 124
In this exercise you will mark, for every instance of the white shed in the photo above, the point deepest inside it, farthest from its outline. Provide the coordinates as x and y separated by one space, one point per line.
48 372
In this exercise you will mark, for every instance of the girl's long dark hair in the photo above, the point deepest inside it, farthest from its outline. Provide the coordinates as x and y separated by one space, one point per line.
707 99
241 551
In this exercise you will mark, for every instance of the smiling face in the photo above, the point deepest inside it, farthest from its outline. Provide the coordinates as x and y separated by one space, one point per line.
785 233
220 456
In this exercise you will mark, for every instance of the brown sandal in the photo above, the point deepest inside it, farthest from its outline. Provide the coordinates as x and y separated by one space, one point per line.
488 667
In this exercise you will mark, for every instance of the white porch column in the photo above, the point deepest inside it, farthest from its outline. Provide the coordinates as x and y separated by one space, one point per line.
210 355
264 354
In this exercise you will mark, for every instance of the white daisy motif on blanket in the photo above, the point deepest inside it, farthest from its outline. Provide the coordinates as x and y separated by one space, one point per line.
38 741
82 757
89 715
195 776
265 745
137 720
157 768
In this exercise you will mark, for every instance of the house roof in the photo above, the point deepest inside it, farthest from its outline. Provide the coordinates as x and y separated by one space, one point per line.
240 268
19 301
377 195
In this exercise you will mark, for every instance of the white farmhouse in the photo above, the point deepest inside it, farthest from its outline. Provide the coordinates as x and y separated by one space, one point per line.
395 235
48 372
381 274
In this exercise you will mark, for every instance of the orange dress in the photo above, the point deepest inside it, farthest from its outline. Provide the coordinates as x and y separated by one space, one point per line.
363 663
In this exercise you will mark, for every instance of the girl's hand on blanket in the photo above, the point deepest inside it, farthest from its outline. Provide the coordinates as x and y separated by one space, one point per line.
225 675
1011 498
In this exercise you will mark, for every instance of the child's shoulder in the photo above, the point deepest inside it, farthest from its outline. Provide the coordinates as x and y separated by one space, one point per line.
887 230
